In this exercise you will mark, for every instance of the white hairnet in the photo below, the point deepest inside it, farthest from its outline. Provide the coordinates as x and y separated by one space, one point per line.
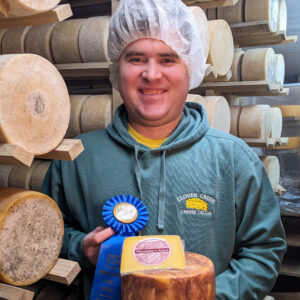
166 20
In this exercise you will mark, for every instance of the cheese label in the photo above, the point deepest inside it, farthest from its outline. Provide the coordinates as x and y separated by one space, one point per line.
142 253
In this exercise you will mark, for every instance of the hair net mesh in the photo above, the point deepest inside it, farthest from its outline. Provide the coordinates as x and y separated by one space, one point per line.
166 20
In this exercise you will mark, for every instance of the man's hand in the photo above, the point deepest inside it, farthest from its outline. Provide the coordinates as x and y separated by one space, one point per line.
92 242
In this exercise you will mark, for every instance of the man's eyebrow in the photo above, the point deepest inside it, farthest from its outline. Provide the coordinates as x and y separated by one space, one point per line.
168 54
134 53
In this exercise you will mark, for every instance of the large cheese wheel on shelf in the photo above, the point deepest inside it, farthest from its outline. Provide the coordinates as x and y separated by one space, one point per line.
38 41
93 37
38 174
20 176
255 121
96 113
261 10
236 67
259 64
13 40
34 103
65 41
280 69
276 127
221 48
18 8
195 98
232 14
271 164
203 28
197 281
31 234
282 22
4 174
235 112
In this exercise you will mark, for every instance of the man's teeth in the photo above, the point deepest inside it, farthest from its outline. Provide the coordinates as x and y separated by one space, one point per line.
152 92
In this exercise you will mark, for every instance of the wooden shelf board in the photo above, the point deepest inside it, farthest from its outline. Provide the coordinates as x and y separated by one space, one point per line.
290 268
15 155
247 28
210 3
283 92
293 143
290 110
60 13
84 70
267 143
9 292
279 190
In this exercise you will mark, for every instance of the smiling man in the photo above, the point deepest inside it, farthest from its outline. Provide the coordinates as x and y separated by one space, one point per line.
206 186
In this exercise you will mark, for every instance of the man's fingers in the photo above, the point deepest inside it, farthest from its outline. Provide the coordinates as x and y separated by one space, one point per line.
97 229
103 235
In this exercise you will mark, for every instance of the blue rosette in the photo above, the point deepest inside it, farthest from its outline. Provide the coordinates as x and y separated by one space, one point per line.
126 215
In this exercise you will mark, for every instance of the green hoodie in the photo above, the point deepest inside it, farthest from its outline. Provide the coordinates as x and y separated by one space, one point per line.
206 186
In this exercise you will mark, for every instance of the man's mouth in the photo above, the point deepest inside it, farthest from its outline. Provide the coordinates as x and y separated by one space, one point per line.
151 91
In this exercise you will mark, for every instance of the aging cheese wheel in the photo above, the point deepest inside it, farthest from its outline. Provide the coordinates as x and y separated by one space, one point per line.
34 103
2 31
282 22
20 176
259 64
31 234
271 164
236 67
197 281
232 14
235 112
255 121
38 174
203 28
261 10
18 8
38 41
96 112
276 125
280 69
93 37
65 41
221 47
195 98
13 40
4 174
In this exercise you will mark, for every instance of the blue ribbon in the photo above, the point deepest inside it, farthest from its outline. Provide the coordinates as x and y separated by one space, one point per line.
107 279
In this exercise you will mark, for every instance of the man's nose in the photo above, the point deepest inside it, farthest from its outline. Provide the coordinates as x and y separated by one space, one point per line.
152 71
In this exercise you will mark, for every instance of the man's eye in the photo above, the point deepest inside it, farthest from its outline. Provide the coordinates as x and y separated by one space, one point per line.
168 61
135 60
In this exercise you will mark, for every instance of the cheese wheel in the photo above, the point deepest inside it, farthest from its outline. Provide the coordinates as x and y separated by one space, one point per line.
38 41
282 22
195 98
232 14
18 8
271 164
96 112
261 10
38 174
259 64
197 281
235 112
93 37
255 121
280 69
2 31
203 28
31 235
13 40
65 41
221 48
236 67
4 174
276 123
34 103
19 177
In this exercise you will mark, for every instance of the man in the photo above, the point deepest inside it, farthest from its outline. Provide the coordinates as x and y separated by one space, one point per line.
162 150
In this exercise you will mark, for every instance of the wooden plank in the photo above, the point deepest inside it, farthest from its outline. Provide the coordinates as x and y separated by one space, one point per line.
9 292
290 110
282 92
286 296
290 267
291 227
61 12
279 190
210 3
84 70
64 271
293 143
246 28
15 155
69 149
267 143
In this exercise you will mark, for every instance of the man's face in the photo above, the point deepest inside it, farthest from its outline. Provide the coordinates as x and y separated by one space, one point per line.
153 82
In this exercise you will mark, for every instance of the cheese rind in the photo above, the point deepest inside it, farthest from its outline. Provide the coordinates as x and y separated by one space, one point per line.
232 14
272 167
276 128
235 112
280 69
236 67
282 22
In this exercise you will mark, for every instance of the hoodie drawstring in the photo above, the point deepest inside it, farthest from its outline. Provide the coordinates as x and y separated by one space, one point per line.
137 169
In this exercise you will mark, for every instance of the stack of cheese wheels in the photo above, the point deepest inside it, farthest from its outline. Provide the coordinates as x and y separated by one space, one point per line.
259 64
261 10
276 126
88 113
18 8
31 235
34 103
197 281
38 40
203 28
236 67
65 41
221 48
271 164
255 121
232 14
93 37
280 69
282 22
217 110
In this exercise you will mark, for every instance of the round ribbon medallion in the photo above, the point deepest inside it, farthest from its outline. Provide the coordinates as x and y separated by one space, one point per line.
125 213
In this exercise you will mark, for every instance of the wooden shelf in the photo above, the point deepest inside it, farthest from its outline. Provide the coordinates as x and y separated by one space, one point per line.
290 267
279 190
210 3
60 13
69 149
211 75
267 143
293 143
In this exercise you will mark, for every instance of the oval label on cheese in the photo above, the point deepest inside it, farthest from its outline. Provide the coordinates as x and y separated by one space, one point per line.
125 212
152 251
